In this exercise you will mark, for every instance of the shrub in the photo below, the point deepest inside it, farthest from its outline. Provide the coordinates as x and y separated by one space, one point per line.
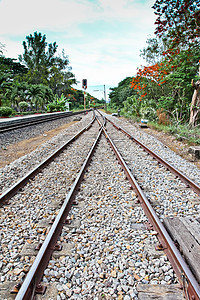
132 106
58 104
148 113
23 105
51 107
6 111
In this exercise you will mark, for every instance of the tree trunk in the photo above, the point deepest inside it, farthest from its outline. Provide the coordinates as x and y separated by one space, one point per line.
195 104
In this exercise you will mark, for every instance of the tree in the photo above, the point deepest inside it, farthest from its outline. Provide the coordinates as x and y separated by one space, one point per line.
23 105
153 53
132 106
9 69
60 76
120 93
45 67
37 59
2 46
180 21
195 105
39 75
168 83
39 95
5 82
12 66
17 93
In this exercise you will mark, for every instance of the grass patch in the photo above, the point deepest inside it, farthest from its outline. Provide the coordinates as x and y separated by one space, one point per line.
181 132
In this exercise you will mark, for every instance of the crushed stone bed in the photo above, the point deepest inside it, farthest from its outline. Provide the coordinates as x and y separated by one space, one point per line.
111 251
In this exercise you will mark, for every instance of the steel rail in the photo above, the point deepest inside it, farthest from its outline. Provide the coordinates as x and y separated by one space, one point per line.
180 267
27 122
98 120
35 274
5 196
21 123
184 178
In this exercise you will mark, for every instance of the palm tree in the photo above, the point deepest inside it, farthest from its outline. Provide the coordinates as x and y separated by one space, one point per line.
35 95
48 95
39 95
17 92
5 84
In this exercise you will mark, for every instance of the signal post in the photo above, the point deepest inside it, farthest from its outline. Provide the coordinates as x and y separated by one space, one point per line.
84 86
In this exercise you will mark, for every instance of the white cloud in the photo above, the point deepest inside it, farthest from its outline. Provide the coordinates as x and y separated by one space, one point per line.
21 16
108 61
125 10
11 49
104 58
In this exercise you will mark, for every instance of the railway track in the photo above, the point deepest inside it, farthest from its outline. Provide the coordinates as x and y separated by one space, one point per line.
184 178
20 183
10 174
107 249
35 120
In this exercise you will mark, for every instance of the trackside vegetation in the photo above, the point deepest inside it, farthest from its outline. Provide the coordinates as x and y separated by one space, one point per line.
166 90
40 81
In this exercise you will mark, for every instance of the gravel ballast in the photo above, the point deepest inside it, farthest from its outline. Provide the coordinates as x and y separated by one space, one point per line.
111 251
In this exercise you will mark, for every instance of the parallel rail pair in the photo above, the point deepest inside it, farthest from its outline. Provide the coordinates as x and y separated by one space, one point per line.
18 123
31 284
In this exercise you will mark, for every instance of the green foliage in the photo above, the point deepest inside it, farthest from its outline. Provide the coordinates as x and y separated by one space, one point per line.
9 69
17 92
9 65
148 112
23 105
37 58
45 66
182 132
138 108
153 52
132 106
58 104
52 107
5 111
120 93
167 85
39 95
165 102
179 20
174 52
2 48
40 75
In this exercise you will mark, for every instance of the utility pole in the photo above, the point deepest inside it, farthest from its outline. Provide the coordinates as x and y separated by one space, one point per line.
104 90
105 97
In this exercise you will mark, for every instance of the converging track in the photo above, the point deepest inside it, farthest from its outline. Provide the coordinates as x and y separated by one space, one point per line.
98 246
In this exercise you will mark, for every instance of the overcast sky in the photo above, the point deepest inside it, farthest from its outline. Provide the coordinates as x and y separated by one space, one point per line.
102 38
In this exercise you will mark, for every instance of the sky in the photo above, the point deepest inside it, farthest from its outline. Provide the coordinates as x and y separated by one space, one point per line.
102 38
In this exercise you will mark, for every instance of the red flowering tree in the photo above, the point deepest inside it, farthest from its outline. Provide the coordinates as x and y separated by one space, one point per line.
179 20
154 74
176 51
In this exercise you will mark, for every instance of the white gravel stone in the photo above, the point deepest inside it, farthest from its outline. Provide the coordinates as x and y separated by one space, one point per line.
112 250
